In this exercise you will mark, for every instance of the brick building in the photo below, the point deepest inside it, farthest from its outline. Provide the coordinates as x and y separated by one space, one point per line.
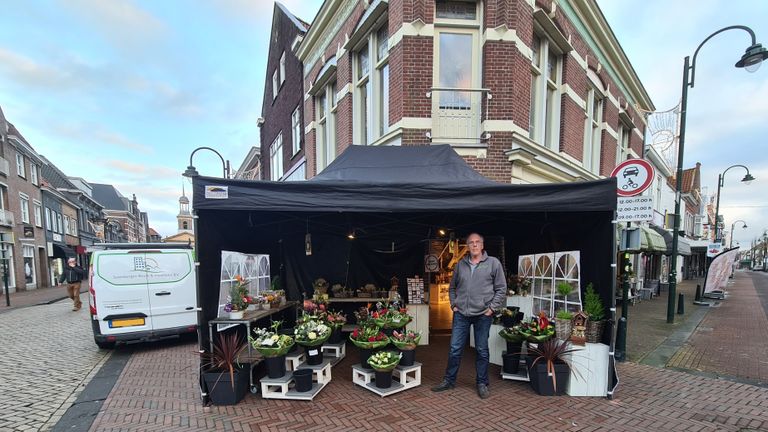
527 91
123 221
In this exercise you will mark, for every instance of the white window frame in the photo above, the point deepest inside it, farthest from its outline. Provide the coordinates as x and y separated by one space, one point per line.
48 223
296 130
325 132
593 127
544 116
73 227
33 174
371 92
282 68
276 158
622 142
24 206
275 83
66 224
58 223
38 206
20 169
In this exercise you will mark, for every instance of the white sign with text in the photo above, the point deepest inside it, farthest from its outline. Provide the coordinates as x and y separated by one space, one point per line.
634 209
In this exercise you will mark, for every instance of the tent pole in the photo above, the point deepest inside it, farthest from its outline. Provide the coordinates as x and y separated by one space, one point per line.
612 323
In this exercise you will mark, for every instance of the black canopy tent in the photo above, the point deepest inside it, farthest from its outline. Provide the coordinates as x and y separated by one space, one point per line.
393 199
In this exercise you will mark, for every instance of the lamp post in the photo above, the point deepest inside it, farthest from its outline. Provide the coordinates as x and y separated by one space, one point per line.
751 60
720 180
730 241
192 172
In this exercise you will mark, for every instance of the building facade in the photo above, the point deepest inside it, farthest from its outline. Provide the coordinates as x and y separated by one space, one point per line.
122 217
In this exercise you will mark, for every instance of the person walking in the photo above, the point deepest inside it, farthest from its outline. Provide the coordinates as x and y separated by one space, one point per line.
478 289
73 275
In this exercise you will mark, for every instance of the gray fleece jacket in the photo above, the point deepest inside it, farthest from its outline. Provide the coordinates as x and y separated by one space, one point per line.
473 293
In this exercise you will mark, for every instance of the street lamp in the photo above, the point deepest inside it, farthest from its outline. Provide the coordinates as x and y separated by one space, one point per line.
730 245
720 180
192 172
751 60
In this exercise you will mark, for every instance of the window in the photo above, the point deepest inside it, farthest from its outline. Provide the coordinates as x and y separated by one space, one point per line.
622 143
372 86
8 248
276 158
38 214
59 228
73 227
185 225
33 174
48 225
24 203
296 130
29 264
282 68
546 71
66 224
275 84
455 10
592 130
326 126
20 165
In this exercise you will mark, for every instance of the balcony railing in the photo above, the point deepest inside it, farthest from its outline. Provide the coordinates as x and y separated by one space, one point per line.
5 167
6 218
458 113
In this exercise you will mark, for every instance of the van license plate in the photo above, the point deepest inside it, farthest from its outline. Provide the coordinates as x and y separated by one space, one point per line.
129 322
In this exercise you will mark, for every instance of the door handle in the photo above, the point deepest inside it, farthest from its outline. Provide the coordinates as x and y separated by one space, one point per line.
189 308
162 293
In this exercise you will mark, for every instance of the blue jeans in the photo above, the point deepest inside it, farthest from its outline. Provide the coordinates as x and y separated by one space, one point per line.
459 336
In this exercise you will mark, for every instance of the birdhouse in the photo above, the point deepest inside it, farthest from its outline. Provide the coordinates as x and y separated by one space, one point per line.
579 319
578 328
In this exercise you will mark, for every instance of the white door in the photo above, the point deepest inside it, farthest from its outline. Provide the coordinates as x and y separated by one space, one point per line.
171 281
120 287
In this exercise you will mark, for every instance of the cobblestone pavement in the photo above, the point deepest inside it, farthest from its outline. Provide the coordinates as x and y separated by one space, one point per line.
40 296
731 340
48 357
158 391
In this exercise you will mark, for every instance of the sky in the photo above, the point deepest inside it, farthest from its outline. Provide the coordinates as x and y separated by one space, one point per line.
122 92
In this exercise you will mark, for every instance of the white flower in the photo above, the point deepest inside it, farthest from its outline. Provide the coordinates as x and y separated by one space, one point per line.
312 335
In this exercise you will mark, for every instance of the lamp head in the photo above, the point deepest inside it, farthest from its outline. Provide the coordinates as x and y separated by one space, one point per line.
190 172
747 179
752 58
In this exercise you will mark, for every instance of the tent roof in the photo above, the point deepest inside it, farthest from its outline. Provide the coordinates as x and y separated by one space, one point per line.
401 179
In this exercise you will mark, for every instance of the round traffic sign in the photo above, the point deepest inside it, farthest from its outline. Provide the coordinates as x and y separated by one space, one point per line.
633 176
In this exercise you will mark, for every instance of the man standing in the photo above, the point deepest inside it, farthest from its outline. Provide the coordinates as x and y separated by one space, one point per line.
73 275
477 289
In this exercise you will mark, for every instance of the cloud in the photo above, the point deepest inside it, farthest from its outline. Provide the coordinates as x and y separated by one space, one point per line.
96 134
143 170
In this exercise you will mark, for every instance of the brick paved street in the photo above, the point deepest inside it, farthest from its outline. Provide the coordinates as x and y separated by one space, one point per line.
158 391
40 296
48 357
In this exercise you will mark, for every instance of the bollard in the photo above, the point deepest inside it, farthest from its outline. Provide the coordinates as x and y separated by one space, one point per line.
621 341
680 304
698 293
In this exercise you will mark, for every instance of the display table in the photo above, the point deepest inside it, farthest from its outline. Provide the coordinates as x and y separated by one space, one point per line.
420 322
590 377
280 388
335 352
525 304
522 372
404 378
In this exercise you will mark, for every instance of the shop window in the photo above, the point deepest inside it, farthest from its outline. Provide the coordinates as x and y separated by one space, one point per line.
8 248
29 265
546 76
276 158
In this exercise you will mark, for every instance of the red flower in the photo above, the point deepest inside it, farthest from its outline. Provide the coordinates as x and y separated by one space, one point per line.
355 334
371 339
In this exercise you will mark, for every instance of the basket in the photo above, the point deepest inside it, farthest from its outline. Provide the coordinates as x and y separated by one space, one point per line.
595 331
563 329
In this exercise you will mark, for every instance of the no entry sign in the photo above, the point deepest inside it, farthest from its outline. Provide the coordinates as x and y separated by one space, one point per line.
633 176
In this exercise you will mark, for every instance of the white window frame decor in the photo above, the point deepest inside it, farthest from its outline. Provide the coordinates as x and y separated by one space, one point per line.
547 271
546 80
276 158
371 86
325 132
254 268
296 130
33 174
20 169
24 207
38 213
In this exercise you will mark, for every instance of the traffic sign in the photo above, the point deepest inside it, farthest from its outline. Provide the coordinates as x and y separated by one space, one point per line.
633 176
634 209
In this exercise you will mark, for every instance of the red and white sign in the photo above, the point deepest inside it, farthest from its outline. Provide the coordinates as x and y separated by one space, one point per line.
633 176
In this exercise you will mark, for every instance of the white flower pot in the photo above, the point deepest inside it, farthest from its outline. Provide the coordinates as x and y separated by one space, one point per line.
236 314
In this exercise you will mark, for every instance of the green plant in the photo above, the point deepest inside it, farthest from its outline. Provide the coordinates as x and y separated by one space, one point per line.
564 315
564 289
369 336
406 340
593 304
276 283
269 343
551 352
384 361
224 356
513 334
312 333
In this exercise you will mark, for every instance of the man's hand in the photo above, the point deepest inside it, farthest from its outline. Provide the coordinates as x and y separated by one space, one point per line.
455 309
488 312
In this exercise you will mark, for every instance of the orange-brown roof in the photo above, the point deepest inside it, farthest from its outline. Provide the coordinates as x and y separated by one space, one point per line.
691 179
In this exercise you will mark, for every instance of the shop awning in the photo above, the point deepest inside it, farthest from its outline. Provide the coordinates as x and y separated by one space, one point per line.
650 241
63 251
683 247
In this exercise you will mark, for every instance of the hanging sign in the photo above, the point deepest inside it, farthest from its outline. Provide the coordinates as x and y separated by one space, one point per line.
713 249
431 263
633 176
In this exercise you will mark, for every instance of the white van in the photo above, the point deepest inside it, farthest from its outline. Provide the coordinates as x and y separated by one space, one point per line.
141 292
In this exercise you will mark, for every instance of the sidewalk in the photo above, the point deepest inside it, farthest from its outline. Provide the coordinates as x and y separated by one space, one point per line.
41 296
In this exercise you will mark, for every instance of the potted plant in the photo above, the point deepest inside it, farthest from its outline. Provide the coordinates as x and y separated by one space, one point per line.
311 335
273 347
368 338
336 321
593 306
225 378
518 284
538 329
238 299
514 338
320 286
390 316
406 341
550 368
383 362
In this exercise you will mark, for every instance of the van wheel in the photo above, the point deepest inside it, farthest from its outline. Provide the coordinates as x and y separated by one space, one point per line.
105 345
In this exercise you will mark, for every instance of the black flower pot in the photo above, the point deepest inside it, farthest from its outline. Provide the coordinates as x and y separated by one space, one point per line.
409 356
514 347
511 363
303 380
220 386
542 383
275 366
383 379
335 336
365 353
314 354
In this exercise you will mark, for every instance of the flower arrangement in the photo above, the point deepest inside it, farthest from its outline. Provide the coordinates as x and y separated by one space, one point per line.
320 286
513 334
538 329
269 343
363 315
390 315
368 337
406 340
384 361
312 333
518 284
336 319
238 299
